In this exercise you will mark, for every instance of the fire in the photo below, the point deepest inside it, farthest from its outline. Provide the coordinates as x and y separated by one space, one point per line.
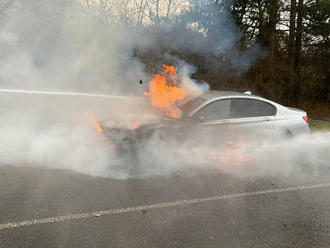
97 126
91 119
233 153
163 91
133 125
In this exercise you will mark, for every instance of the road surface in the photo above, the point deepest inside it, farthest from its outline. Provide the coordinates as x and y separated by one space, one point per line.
54 208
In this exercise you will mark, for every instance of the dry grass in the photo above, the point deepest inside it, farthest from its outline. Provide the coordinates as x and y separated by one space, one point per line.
316 125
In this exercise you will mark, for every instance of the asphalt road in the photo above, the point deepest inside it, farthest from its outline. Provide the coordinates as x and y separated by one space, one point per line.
218 211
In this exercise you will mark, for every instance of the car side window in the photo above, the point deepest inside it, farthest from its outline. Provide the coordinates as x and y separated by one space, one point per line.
267 109
244 107
214 111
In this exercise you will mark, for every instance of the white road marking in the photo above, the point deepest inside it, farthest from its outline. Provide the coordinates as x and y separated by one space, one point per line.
36 92
155 206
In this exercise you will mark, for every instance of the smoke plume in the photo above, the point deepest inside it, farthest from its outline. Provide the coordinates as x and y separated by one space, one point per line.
71 46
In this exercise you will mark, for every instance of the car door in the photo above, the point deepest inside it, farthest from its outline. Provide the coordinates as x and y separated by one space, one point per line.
252 113
213 121
233 117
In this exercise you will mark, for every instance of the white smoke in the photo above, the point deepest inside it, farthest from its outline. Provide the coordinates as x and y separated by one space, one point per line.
189 85
306 154
48 45
57 46
261 154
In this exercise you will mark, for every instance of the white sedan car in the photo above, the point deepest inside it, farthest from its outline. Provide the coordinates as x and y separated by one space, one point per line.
245 110
215 117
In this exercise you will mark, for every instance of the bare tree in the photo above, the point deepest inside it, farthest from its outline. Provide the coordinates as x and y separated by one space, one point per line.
299 30
5 4
292 30
159 9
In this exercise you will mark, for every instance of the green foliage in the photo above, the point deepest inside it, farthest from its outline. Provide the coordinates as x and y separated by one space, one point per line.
317 16
267 23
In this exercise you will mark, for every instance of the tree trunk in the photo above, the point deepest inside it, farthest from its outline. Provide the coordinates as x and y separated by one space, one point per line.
273 9
157 12
299 30
292 34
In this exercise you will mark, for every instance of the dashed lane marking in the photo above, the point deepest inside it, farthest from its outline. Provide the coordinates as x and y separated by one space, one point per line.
171 204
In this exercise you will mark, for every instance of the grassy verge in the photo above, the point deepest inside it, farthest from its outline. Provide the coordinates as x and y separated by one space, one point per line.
319 125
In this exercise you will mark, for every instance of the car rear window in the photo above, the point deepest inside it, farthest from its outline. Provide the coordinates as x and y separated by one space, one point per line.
243 107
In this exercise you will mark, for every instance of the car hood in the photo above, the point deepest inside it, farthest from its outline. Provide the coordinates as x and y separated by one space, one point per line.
141 123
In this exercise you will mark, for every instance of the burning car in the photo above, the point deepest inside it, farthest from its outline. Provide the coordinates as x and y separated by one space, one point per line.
215 113
209 118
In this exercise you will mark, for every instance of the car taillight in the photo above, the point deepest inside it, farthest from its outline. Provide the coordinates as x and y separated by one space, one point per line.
305 118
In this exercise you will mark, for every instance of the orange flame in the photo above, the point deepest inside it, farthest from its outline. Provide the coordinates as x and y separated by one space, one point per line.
91 119
97 126
133 125
233 153
163 92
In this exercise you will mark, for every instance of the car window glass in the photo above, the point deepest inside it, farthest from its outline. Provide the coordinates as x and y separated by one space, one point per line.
251 108
267 109
215 110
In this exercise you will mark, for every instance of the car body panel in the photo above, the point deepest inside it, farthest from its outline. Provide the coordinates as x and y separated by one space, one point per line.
286 120
282 121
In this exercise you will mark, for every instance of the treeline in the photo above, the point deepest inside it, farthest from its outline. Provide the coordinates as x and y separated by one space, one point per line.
286 42
296 37
277 48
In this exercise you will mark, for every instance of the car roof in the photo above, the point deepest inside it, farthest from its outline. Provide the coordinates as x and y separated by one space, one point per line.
211 94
